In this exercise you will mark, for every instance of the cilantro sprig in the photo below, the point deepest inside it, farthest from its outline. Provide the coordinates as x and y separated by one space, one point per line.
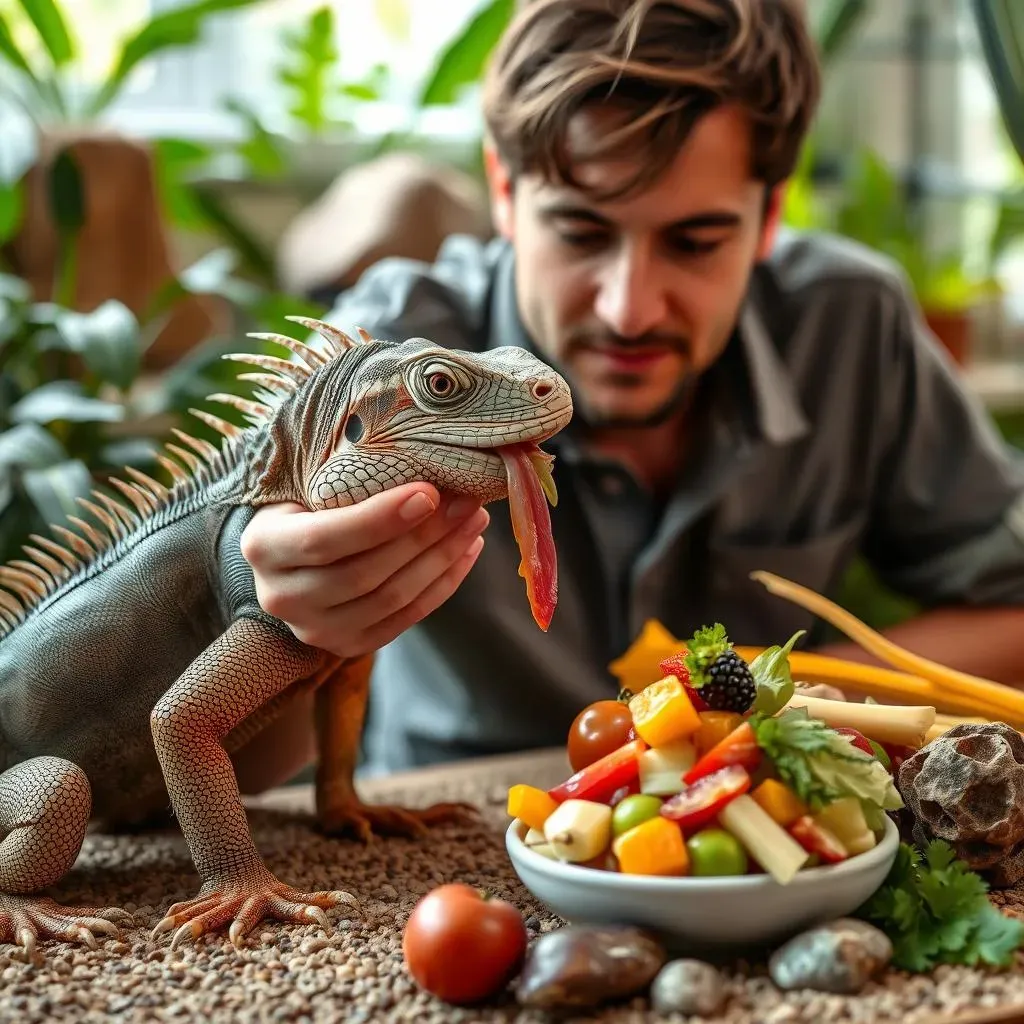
935 910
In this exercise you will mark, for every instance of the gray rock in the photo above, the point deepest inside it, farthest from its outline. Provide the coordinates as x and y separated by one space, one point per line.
585 965
840 957
689 987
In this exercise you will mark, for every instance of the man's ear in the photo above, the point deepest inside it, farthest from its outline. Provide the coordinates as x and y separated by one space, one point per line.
772 217
499 185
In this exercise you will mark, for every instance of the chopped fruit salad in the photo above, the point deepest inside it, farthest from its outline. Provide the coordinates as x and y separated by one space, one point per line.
711 771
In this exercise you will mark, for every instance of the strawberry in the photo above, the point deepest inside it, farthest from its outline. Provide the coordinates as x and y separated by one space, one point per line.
858 739
675 665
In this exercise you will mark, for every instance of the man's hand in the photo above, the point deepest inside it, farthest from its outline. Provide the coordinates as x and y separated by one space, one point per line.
350 580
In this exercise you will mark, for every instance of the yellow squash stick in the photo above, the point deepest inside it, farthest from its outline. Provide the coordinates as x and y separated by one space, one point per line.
880 683
1000 702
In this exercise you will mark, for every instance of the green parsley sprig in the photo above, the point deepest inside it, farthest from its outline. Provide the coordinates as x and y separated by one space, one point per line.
935 910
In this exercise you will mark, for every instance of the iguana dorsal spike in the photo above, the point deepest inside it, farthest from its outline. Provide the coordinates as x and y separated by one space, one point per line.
48 562
243 405
223 426
197 444
32 569
271 381
187 457
143 502
365 335
339 341
8 619
292 373
112 525
77 543
11 602
179 475
22 583
305 352
67 557
124 514
89 530
147 482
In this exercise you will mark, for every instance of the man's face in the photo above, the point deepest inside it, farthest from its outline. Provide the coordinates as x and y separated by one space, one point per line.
633 299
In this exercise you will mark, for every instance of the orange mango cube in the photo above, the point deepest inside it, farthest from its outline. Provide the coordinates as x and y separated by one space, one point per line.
654 847
530 805
663 713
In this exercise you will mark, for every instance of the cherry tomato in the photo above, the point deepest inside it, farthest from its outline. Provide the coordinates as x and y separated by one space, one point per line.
597 730
463 947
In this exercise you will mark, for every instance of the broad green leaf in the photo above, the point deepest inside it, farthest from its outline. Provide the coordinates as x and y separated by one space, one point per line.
67 193
837 24
53 490
260 149
12 205
14 288
254 255
107 338
9 49
307 78
64 400
28 444
45 15
180 26
464 59
174 160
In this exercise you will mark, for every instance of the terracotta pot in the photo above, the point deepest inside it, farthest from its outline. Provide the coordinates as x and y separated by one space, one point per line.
953 329
123 248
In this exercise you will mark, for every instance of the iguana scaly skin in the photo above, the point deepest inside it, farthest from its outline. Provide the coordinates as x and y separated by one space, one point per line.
135 657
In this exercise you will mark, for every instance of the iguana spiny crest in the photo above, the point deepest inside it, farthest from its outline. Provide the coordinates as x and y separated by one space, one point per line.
341 420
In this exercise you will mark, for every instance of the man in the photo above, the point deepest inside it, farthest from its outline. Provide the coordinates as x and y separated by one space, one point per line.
743 399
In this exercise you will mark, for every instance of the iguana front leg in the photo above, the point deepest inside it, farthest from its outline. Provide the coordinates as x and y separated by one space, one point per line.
340 714
250 664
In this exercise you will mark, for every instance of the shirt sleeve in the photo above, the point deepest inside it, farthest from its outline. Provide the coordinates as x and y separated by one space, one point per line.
948 516
399 298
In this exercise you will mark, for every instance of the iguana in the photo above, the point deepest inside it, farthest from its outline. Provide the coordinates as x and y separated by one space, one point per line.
135 657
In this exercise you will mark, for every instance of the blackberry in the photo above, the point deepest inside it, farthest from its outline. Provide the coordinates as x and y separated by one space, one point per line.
730 685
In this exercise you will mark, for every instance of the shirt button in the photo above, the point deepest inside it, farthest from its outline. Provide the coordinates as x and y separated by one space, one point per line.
612 485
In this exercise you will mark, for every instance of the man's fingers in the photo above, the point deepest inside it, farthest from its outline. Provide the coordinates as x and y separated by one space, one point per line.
285 535
397 591
429 600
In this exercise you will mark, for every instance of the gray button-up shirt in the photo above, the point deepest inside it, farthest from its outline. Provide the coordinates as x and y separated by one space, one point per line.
832 425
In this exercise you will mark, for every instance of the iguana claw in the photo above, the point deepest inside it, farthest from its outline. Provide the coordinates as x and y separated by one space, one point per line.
367 820
24 920
245 904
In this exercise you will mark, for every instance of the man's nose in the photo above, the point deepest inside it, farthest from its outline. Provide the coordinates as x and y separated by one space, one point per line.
631 296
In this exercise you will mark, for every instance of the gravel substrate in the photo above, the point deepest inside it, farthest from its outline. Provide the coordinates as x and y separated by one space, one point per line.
296 973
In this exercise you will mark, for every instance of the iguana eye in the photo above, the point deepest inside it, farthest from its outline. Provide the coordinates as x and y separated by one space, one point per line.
440 384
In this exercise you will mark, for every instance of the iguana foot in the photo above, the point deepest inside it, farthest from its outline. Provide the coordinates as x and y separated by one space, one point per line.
365 820
24 919
245 902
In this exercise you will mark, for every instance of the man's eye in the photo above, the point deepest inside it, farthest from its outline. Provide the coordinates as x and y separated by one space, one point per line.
696 246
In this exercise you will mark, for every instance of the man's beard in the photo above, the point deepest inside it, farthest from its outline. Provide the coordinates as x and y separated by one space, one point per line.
679 400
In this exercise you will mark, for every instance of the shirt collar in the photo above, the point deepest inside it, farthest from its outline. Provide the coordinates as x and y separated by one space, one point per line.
752 361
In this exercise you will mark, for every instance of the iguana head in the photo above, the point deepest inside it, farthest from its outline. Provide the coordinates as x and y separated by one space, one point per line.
373 414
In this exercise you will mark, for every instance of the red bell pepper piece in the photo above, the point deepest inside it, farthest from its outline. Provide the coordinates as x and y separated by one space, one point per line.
857 738
738 748
600 780
675 665
814 838
699 803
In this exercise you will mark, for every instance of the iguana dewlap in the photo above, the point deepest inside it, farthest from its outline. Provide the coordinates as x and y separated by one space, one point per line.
135 657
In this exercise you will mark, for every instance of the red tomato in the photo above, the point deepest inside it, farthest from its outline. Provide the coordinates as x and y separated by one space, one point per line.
463 947
597 730
601 780
698 804
740 747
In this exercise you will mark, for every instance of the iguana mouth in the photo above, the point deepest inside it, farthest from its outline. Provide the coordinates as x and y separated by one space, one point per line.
530 487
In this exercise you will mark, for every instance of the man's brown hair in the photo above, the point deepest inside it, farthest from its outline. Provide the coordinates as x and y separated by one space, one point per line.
659 65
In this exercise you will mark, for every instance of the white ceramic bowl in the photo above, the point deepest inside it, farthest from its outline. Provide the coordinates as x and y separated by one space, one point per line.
704 916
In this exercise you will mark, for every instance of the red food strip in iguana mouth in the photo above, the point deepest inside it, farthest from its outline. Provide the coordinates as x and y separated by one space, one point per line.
531 525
